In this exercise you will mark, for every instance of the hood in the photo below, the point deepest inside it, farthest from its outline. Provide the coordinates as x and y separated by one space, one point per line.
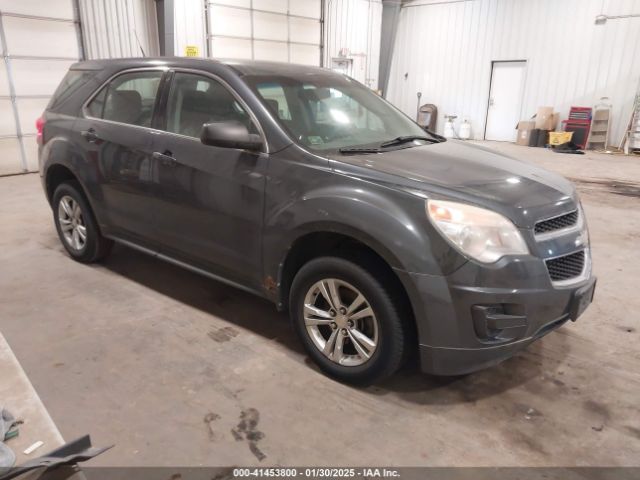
453 169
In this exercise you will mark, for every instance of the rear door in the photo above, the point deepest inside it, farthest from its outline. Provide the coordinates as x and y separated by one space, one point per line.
210 199
117 140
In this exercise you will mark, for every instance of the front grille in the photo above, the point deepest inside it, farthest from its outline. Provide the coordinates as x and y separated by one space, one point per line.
557 223
564 268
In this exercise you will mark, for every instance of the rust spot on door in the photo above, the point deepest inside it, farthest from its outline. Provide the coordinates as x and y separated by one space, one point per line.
270 284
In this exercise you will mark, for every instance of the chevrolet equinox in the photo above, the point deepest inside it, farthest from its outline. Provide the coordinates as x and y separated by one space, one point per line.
302 186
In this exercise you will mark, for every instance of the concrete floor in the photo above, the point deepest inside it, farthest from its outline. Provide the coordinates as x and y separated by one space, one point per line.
165 363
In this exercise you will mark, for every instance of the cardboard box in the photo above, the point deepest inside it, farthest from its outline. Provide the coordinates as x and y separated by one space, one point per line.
524 131
546 119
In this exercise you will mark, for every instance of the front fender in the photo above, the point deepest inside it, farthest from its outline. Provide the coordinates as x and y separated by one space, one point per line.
391 222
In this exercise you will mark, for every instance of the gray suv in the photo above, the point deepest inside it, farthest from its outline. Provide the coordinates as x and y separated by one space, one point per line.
304 187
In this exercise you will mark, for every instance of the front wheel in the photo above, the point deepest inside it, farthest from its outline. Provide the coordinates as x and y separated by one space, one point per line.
347 320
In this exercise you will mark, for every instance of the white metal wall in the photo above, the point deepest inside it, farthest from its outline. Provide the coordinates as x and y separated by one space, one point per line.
119 28
352 31
38 40
445 48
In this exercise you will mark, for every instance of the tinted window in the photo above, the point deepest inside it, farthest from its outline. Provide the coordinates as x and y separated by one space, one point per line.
195 100
326 112
96 107
276 99
129 98
64 95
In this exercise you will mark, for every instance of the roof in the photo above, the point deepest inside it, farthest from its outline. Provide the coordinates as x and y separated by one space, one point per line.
242 67
259 67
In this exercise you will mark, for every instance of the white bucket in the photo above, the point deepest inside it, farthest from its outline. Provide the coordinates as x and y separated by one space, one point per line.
448 129
465 130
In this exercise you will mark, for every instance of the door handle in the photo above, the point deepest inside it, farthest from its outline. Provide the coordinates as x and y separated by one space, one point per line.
90 135
165 158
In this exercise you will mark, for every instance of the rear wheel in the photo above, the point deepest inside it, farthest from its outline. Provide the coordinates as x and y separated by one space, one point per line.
76 225
347 320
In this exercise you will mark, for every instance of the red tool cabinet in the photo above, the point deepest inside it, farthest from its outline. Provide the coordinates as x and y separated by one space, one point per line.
579 122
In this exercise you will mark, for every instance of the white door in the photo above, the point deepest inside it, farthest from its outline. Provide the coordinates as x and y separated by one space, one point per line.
505 100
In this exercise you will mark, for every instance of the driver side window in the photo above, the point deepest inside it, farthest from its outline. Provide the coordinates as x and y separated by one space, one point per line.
195 100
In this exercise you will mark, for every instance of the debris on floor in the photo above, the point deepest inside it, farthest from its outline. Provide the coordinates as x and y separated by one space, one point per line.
71 453
33 447
568 147
531 413
7 430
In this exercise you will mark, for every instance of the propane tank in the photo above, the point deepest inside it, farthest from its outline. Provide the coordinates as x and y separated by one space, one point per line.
465 130
449 132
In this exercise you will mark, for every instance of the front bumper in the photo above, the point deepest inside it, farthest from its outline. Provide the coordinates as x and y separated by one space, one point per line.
479 316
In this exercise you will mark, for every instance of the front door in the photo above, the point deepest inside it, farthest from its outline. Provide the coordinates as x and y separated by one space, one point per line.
505 100
118 142
210 199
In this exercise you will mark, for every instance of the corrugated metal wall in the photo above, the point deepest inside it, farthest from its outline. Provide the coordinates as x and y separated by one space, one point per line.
444 49
119 28
353 28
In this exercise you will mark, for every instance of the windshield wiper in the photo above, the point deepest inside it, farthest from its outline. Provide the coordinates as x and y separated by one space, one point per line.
390 143
359 150
440 138
406 139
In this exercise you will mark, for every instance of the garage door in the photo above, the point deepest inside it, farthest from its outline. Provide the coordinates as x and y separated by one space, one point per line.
276 30
31 69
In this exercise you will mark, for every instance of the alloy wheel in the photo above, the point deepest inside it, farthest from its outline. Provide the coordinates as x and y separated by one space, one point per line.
72 223
341 322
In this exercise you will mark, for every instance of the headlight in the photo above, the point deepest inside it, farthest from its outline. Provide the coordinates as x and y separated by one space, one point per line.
479 233
584 237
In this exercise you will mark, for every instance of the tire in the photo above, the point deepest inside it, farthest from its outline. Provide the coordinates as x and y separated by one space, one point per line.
384 327
68 199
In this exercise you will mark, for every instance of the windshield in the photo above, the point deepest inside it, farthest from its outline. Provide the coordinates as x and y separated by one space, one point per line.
333 112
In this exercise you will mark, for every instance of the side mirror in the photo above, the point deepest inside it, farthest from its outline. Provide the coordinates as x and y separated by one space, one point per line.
230 135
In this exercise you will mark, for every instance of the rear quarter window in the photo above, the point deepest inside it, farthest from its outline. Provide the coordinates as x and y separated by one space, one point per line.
65 99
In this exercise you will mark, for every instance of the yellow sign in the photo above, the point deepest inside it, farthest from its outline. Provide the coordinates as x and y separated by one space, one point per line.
191 51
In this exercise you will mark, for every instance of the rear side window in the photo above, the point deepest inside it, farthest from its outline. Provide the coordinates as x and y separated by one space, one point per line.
129 98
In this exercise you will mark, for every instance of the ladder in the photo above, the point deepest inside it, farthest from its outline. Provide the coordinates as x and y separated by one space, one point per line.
599 134
631 140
